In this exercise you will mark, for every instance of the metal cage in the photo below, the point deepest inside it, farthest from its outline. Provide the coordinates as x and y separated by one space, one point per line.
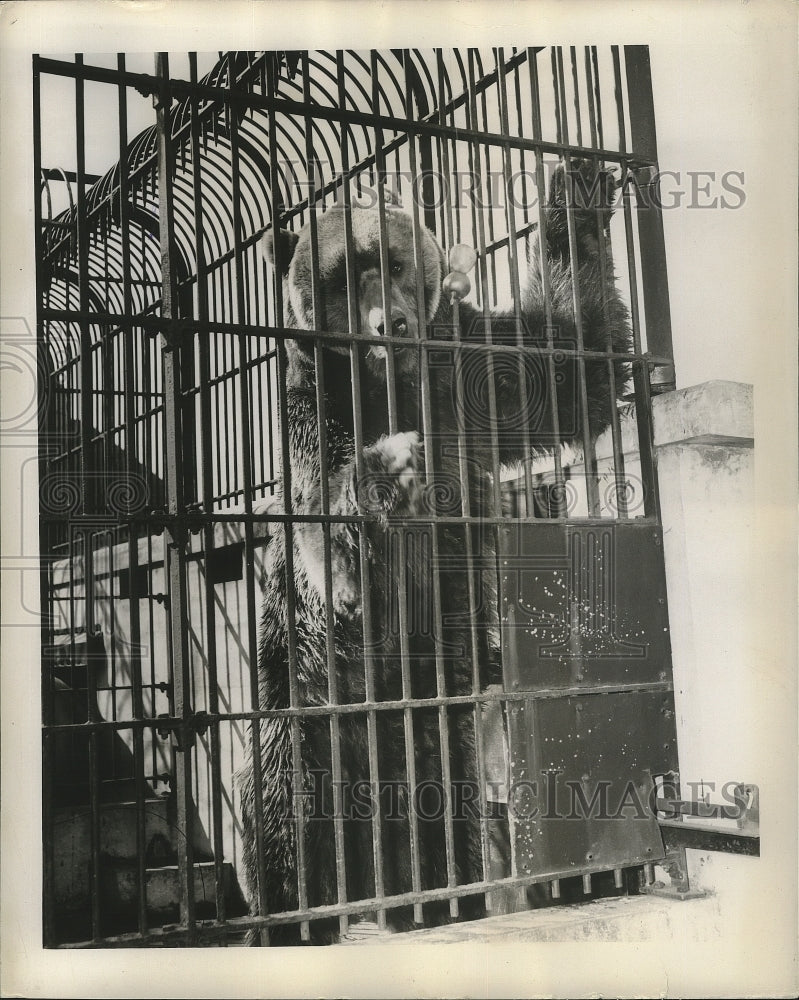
164 442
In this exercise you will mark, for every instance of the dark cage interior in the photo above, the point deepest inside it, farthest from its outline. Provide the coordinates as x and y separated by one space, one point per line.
349 523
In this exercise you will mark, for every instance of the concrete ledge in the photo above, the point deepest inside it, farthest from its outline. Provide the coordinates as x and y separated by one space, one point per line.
715 412
626 918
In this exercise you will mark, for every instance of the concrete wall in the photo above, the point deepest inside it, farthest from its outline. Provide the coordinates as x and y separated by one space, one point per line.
706 470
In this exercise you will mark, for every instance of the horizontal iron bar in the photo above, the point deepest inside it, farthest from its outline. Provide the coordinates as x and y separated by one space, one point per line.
704 837
56 174
224 95
194 520
571 691
702 810
290 333
208 930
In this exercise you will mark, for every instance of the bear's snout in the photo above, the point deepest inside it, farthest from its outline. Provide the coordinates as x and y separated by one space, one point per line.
399 323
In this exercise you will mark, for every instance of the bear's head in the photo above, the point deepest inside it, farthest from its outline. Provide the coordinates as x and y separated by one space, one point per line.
294 257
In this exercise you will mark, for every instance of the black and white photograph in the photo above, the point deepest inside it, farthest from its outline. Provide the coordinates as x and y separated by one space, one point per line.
399 499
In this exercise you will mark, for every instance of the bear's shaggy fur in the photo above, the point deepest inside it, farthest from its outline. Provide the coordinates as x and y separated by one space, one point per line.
399 480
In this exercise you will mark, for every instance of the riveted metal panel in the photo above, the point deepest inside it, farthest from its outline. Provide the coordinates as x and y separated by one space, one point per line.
582 771
583 605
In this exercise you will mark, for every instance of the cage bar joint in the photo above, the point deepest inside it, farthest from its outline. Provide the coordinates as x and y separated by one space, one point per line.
183 732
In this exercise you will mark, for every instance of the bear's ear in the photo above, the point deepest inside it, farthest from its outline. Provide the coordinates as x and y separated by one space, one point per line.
287 241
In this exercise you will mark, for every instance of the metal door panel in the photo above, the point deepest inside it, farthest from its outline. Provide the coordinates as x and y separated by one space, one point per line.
581 773
585 631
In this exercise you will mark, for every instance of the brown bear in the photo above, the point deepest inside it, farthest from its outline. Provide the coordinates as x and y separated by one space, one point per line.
423 624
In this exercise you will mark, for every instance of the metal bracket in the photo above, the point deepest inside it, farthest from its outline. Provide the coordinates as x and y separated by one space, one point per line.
708 835
679 836
183 732
661 377
679 886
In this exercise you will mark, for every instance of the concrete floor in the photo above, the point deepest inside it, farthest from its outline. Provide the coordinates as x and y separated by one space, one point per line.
624 919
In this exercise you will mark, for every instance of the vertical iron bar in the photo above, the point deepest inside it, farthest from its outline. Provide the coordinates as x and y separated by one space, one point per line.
430 472
597 98
589 457
643 138
521 126
643 399
589 92
403 535
357 406
486 314
541 197
412 84
87 496
576 85
513 266
473 576
207 496
133 541
93 717
319 323
46 390
605 277
175 531
291 626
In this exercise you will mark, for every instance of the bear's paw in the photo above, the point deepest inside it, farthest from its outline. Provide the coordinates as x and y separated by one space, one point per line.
393 479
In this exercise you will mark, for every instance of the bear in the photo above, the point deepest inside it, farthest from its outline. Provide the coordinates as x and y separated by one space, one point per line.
393 576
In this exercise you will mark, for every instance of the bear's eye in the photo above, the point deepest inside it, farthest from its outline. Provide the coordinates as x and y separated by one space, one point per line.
396 267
